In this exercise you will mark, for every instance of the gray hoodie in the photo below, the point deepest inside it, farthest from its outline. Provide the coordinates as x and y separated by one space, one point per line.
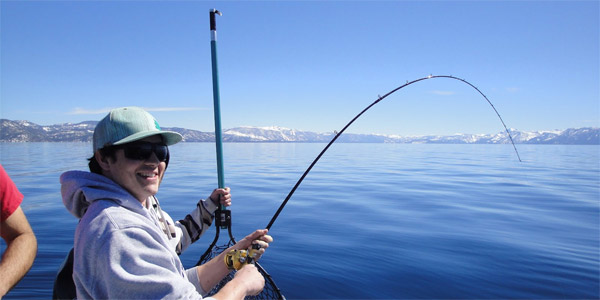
120 248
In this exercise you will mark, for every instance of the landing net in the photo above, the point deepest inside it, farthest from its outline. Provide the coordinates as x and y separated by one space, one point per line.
270 290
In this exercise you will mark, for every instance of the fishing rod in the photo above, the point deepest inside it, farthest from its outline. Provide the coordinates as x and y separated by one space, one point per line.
362 112
271 291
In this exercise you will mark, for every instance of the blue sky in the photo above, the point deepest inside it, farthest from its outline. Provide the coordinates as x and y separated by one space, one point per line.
307 65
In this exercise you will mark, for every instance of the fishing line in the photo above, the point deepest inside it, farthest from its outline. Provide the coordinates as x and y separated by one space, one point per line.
367 108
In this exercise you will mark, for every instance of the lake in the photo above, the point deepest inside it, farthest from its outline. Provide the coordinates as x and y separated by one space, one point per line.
378 221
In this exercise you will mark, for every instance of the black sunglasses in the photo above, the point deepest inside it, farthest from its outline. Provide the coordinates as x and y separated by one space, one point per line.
143 151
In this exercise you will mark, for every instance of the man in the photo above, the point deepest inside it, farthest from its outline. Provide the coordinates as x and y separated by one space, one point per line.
21 244
125 245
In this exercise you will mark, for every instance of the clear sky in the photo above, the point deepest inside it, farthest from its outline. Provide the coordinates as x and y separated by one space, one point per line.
306 65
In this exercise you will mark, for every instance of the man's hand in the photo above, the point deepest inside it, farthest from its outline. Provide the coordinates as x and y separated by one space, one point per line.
221 196
259 237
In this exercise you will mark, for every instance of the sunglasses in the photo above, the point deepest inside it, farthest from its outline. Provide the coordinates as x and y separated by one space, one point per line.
143 151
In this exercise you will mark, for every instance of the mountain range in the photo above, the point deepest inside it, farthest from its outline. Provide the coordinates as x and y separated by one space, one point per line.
25 131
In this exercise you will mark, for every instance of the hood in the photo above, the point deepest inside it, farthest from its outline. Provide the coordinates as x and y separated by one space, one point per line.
79 189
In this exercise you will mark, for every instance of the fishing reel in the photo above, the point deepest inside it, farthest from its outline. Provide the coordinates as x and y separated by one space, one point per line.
237 259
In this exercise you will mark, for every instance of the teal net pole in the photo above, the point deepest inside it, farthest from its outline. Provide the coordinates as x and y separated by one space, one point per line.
217 106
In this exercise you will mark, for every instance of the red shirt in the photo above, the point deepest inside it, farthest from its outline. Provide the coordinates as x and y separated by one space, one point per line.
10 197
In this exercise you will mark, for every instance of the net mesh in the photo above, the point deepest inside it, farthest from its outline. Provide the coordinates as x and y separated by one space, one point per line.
270 291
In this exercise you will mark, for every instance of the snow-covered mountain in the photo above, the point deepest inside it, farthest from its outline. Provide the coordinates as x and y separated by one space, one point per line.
583 136
24 131
269 134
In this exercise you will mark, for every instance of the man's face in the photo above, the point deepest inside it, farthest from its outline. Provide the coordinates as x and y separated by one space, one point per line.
141 178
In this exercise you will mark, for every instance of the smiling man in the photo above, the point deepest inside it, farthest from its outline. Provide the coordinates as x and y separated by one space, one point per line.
126 246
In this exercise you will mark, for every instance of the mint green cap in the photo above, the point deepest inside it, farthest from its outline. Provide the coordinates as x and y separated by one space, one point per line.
128 124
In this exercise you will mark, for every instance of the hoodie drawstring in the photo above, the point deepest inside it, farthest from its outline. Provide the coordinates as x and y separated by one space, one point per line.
168 229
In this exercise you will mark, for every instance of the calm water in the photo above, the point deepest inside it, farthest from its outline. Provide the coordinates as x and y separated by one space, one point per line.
389 221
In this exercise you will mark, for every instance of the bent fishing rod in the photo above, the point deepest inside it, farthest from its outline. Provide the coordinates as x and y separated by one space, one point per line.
366 109
224 218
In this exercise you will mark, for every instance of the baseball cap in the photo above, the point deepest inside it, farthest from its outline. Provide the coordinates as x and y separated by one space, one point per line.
128 124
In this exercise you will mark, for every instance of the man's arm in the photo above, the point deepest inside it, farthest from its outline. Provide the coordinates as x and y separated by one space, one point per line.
198 221
20 251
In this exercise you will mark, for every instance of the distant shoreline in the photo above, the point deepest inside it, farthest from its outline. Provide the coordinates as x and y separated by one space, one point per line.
25 131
